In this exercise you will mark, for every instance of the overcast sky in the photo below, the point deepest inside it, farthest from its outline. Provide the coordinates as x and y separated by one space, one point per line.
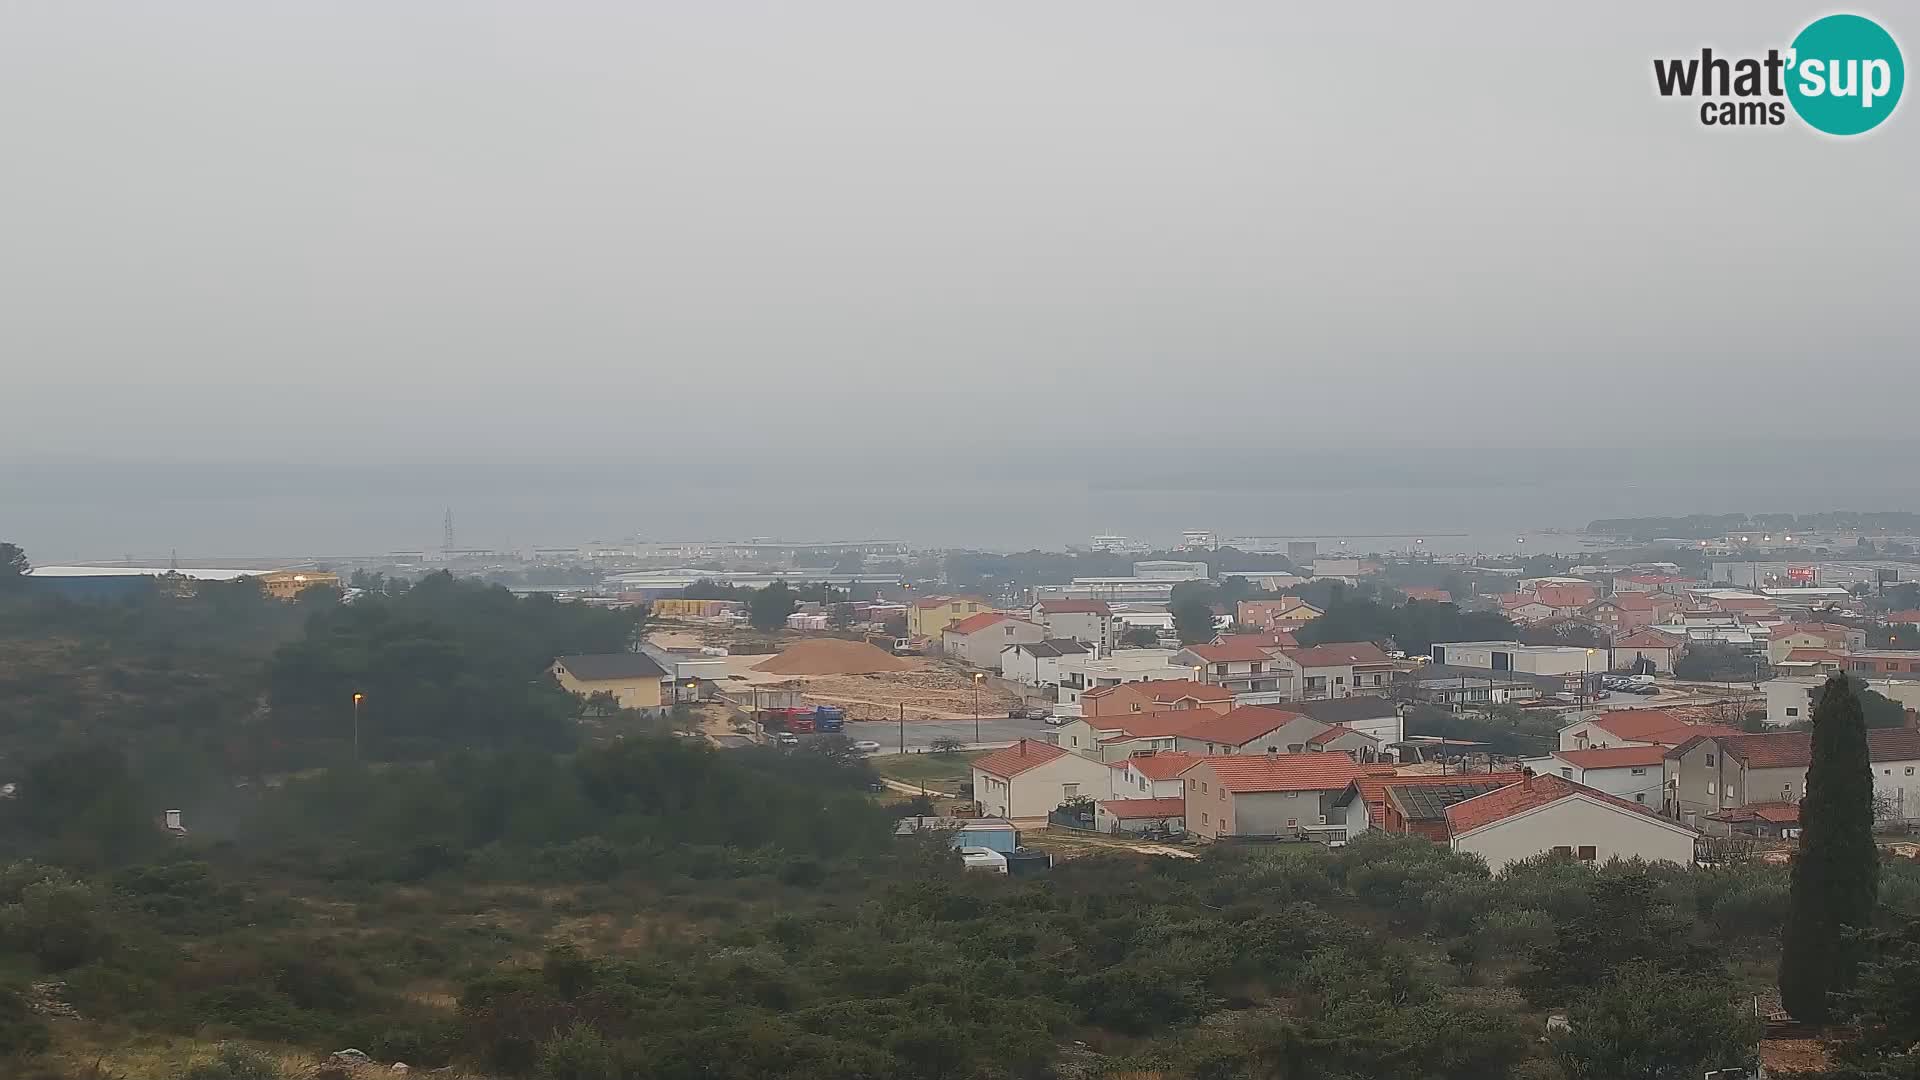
456 230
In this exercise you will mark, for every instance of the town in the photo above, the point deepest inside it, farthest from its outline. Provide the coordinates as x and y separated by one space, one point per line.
1637 702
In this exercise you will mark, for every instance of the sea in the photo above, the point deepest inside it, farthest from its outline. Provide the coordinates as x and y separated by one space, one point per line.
1443 501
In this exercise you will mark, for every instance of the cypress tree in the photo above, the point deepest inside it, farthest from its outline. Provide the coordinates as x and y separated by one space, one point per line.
1836 875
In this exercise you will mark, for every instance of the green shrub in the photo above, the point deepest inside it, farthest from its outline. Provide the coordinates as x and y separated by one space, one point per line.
56 921
234 1062
579 1053
22 1034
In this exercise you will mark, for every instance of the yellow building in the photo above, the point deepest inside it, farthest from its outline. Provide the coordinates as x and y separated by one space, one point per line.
929 615
632 678
678 608
287 584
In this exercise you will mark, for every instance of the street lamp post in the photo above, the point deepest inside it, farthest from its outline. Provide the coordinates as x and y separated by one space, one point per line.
357 698
976 707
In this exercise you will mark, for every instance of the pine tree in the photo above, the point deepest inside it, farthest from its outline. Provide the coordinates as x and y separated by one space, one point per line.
1837 872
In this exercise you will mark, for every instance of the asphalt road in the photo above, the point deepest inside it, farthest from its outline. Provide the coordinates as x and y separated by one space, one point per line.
994 731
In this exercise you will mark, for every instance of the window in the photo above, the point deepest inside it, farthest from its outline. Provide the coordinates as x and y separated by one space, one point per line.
1273 749
1291 822
1640 797
1203 787
1636 772
1909 770
1339 680
1792 711
1568 773
1709 759
1562 850
1070 790
1710 790
1223 794
1193 785
1203 817
1588 854
1293 794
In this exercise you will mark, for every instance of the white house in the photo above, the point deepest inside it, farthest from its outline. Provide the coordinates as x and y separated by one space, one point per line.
1338 669
1090 622
1649 645
1543 814
1029 779
1037 663
1079 674
977 639
1634 773
1513 656
1153 776
1369 714
1256 672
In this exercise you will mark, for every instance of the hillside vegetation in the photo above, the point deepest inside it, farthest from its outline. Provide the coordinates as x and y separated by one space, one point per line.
493 892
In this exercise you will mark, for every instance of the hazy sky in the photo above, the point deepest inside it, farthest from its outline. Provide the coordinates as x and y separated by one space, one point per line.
456 230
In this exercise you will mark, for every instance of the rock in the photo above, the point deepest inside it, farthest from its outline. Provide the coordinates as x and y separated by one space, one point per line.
400 1067
350 1058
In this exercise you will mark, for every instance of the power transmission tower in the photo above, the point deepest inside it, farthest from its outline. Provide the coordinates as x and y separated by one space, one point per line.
446 542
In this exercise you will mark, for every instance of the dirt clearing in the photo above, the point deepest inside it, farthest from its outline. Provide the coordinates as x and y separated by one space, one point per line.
833 656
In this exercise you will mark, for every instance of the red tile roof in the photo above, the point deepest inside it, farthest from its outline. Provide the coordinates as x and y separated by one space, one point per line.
1239 726
1164 765
1018 758
1070 607
1329 735
1247 773
1147 725
1655 726
1893 744
1165 690
1777 813
1633 601
1794 749
974 623
1614 757
1338 654
1907 616
1772 750
1813 656
1565 596
1529 794
1238 651
1374 785
1134 809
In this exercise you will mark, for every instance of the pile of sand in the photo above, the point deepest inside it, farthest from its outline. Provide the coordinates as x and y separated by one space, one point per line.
832 656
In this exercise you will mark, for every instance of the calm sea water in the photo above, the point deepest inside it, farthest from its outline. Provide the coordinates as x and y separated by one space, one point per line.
71 512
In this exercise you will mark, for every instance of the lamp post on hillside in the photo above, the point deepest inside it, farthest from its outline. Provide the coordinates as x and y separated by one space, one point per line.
976 707
357 698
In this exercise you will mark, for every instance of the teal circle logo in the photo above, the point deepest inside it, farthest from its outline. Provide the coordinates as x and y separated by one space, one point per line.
1846 74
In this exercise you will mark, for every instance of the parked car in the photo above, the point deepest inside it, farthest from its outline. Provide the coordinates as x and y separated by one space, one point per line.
1058 721
867 746
1039 712
788 738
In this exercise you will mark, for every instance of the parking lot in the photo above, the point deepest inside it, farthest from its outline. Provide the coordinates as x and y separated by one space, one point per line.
920 734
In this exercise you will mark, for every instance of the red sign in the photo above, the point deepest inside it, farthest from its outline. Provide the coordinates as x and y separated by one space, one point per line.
1801 574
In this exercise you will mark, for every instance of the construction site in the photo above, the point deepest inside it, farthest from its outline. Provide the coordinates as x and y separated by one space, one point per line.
867 682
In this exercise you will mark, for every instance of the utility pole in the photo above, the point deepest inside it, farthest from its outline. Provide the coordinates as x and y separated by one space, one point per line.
903 727
976 708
